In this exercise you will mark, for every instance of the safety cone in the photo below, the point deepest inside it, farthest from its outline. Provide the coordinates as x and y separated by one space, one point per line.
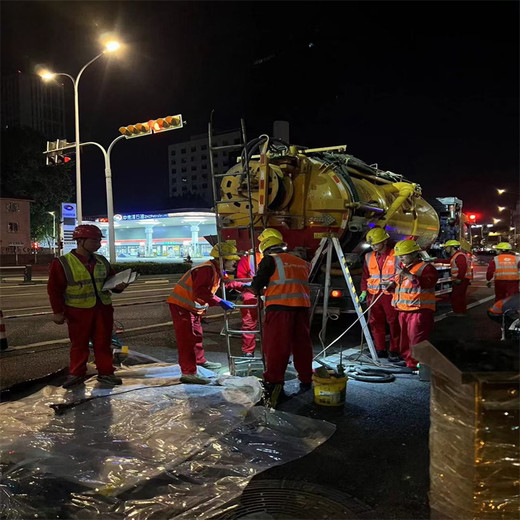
3 335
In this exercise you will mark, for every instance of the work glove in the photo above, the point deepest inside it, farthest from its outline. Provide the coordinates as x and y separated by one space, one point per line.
363 297
488 283
227 306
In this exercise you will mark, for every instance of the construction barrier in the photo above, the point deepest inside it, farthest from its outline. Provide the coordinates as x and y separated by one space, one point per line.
3 335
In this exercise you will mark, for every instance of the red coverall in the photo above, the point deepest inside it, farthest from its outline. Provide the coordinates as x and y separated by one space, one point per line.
382 312
286 331
94 324
188 325
459 288
416 326
503 288
249 315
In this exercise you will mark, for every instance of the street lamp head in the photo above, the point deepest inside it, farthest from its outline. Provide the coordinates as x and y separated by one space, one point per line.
501 208
500 191
112 46
46 75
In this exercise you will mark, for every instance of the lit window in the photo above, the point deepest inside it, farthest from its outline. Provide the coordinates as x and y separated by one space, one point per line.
184 179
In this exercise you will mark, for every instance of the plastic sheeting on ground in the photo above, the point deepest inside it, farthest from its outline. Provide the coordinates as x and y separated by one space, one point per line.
151 448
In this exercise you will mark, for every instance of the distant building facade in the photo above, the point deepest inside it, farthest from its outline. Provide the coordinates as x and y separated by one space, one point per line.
15 228
189 164
27 101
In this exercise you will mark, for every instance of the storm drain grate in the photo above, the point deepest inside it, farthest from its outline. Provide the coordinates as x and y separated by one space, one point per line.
282 499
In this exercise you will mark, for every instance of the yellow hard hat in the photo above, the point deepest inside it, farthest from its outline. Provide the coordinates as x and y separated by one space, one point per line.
377 235
269 232
226 250
405 247
269 242
503 245
449 243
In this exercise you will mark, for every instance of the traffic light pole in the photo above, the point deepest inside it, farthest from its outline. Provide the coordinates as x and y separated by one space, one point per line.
110 198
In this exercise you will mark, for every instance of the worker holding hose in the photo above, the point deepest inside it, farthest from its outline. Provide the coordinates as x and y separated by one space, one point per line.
414 298
378 269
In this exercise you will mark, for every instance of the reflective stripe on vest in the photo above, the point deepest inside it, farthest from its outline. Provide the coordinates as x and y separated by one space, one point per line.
506 267
408 297
182 292
377 275
289 285
80 291
455 268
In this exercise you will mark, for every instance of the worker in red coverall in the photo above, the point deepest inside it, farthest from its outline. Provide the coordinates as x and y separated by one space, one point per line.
505 268
246 269
190 298
283 278
378 269
414 298
461 275
76 297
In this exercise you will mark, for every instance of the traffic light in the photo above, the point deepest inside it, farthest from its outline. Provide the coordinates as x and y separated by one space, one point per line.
137 130
55 152
163 124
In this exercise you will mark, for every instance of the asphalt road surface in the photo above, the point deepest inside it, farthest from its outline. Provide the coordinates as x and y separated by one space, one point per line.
376 465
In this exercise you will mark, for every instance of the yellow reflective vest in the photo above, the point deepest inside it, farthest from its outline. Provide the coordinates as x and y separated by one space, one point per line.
82 287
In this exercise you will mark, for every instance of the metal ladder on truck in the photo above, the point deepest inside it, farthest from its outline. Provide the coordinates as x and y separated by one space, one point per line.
329 243
244 173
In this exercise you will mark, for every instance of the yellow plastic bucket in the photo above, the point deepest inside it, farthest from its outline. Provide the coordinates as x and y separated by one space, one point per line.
329 391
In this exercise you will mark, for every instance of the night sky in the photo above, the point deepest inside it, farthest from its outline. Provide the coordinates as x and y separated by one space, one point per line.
425 89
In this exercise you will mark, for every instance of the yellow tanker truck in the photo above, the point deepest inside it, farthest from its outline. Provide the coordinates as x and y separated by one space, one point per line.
308 193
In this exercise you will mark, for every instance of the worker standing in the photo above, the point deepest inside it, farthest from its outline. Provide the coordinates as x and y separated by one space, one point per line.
284 279
246 269
191 296
76 296
461 275
379 269
414 298
505 269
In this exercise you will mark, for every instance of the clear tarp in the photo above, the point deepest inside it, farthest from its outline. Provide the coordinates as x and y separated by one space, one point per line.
151 448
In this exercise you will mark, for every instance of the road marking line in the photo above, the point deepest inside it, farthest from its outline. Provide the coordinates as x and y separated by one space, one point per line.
470 306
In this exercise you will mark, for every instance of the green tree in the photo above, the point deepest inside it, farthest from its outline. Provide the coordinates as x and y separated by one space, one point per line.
25 176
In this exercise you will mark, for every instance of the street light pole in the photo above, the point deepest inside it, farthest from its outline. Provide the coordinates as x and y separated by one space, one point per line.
79 205
109 47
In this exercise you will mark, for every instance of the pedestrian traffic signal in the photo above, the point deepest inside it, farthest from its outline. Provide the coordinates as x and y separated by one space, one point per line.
56 152
163 124
137 130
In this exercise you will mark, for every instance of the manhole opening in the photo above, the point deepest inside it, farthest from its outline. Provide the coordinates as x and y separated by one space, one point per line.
282 499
